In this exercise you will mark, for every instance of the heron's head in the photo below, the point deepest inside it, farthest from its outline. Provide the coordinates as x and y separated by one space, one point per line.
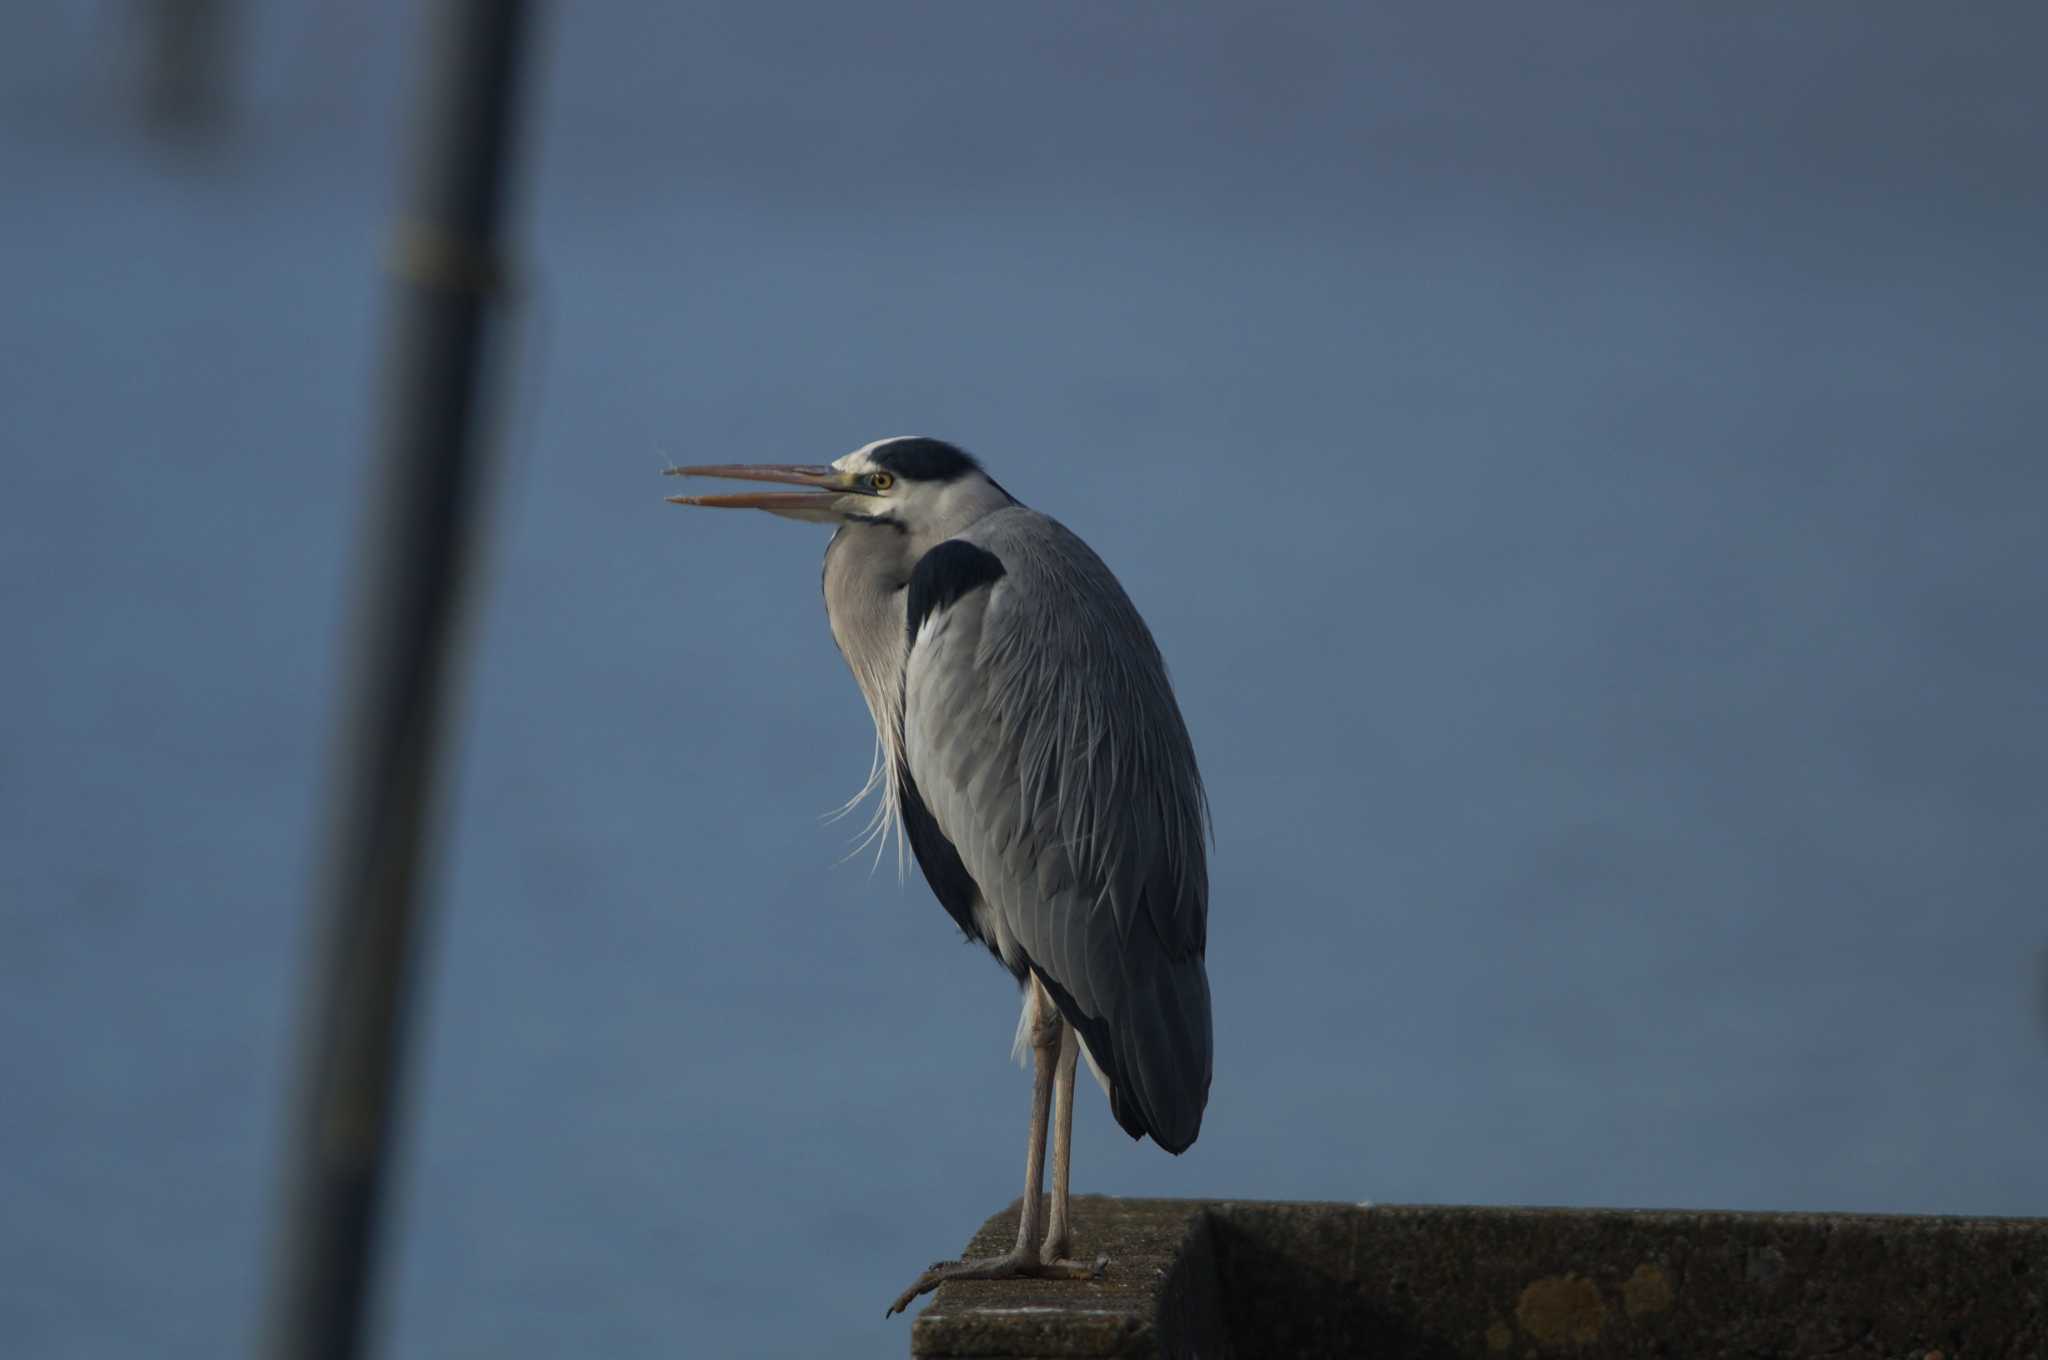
920 488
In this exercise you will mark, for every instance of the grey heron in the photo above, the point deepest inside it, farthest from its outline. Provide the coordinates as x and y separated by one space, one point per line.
1029 748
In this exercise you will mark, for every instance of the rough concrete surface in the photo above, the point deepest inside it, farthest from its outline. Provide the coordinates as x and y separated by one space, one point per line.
1246 1279
1157 1296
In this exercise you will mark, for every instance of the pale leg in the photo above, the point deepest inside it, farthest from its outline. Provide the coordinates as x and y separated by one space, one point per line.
1023 1259
1057 1237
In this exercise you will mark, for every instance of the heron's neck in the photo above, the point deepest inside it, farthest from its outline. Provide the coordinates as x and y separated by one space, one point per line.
865 576
867 569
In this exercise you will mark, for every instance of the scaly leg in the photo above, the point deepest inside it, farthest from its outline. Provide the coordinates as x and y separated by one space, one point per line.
1057 1237
1023 1259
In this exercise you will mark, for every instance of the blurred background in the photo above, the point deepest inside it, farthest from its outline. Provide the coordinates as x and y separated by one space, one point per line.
1583 463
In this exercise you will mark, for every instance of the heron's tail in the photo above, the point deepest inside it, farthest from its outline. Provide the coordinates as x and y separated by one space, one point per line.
1164 1052
1155 1055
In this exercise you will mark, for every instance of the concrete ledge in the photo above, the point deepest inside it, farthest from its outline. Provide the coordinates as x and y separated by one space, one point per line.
1248 1279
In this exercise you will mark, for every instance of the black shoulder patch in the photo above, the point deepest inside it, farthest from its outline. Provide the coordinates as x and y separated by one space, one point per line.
918 459
946 573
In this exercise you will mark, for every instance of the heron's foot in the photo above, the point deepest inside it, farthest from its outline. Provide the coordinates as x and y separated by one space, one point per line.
1021 1263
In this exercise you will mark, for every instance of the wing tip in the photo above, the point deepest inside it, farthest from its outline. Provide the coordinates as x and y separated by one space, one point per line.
1175 1134
1152 1069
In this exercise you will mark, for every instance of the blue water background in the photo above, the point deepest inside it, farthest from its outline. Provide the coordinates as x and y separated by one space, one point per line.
1584 465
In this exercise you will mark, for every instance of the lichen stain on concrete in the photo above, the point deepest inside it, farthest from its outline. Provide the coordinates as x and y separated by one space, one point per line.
1766 1264
1563 1310
1647 1291
1499 1337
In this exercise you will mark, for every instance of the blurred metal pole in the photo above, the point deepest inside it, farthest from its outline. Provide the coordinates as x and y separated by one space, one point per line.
187 46
419 533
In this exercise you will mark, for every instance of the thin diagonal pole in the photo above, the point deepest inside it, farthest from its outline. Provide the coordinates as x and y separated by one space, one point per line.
372 908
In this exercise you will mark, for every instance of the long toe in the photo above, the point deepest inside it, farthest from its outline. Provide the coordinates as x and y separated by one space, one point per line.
1014 1265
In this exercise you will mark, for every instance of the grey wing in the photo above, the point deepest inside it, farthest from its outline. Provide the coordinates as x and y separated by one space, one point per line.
1045 744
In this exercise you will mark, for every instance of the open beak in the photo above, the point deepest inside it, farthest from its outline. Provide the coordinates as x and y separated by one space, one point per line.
832 483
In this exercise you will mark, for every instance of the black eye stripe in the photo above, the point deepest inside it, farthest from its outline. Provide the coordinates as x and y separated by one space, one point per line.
924 460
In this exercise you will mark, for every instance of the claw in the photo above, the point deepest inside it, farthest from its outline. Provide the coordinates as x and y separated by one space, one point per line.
1016 1265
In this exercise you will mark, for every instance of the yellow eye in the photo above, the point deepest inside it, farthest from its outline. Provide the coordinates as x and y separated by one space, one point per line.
880 481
